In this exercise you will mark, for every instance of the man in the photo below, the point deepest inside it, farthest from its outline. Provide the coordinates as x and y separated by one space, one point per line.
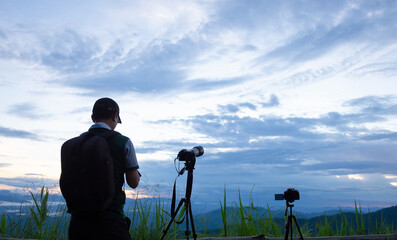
111 223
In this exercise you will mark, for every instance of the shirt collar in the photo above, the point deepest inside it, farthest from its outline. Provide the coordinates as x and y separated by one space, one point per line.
100 125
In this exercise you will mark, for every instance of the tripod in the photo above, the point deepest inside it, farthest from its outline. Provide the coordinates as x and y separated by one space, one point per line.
189 166
288 224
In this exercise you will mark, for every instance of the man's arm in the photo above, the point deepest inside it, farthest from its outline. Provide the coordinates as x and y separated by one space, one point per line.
132 177
132 174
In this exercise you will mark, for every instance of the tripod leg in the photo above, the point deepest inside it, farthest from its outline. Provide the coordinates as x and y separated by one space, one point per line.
187 232
172 218
291 226
191 219
287 227
297 226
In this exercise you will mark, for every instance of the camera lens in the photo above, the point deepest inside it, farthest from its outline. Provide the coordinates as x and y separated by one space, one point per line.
198 151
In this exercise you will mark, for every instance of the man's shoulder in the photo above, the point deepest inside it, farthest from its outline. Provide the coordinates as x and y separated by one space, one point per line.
117 136
119 139
121 136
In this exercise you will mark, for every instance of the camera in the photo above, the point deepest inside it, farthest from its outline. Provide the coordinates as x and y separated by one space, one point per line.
187 155
291 194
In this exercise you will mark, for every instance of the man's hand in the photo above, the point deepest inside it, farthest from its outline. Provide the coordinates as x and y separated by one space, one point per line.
133 178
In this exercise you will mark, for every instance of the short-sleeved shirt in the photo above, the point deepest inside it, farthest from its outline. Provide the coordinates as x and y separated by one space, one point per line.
131 161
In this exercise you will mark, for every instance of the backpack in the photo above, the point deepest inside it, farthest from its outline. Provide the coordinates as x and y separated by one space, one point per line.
87 179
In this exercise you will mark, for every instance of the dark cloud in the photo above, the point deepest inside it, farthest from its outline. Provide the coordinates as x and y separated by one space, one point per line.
234 108
247 105
375 105
13 133
230 108
390 136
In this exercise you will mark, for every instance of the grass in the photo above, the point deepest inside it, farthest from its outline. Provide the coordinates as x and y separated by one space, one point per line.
45 220
3 225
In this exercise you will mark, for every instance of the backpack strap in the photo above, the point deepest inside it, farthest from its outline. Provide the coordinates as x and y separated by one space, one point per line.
107 135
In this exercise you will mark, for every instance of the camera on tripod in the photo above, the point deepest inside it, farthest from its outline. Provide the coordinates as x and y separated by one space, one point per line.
291 194
188 155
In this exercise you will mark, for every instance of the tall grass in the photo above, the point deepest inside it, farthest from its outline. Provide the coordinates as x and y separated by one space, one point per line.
359 219
325 229
3 225
331 227
245 219
224 213
39 211
44 220
40 220
345 228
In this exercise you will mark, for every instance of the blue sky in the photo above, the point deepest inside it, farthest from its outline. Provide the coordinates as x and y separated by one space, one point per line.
279 93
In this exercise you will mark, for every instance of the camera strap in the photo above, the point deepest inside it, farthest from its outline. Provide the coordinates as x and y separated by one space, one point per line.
173 202
173 213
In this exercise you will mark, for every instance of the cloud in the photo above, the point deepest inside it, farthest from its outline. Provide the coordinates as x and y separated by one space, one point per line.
379 105
247 105
125 52
294 144
386 68
70 52
273 102
31 181
230 108
13 133
141 80
4 164
348 23
390 136
26 110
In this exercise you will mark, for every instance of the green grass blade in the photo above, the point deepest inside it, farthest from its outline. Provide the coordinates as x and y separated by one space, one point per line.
223 212
3 225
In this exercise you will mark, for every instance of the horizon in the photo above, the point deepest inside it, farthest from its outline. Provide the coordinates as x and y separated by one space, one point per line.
13 205
279 94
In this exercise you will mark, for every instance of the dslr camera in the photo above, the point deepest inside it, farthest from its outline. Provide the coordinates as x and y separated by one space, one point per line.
290 195
187 155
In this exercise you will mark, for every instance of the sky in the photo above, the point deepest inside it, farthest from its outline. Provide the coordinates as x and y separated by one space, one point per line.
280 94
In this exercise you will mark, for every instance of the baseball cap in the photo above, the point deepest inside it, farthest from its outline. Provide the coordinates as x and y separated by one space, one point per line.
105 108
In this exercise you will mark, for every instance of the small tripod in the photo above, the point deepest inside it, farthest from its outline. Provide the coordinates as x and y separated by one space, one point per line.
189 166
288 224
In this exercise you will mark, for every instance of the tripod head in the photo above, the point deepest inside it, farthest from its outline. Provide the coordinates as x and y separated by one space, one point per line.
288 205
